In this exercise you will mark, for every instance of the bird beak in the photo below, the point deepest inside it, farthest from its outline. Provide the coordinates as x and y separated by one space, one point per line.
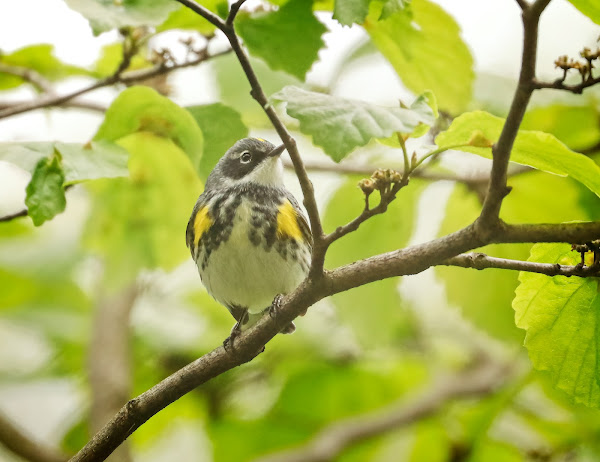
277 151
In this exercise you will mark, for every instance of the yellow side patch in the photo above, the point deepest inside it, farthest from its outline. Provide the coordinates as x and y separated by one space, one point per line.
287 222
201 223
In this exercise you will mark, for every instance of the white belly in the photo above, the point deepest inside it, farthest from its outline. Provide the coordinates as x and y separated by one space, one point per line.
246 275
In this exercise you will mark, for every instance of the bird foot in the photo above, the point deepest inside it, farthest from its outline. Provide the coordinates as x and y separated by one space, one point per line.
274 309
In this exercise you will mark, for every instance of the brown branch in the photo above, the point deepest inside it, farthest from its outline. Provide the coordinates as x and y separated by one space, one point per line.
559 84
235 7
12 216
482 261
15 440
75 104
129 77
109 361
522 4
498 189
411 260
31 76
386 198
310 203
331 441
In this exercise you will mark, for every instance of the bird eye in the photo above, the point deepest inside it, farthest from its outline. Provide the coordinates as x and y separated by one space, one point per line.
245 157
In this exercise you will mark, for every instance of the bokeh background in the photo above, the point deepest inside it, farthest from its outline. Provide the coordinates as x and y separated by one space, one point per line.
351 354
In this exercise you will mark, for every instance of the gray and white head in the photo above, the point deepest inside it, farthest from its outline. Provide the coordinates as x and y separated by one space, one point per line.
250 160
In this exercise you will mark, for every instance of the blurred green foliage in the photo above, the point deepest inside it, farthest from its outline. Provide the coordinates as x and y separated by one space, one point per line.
359 351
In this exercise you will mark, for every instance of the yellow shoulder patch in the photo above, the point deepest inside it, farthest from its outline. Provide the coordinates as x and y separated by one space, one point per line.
201 223
287 221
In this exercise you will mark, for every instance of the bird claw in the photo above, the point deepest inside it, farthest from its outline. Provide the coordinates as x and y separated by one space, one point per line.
275 306
274 309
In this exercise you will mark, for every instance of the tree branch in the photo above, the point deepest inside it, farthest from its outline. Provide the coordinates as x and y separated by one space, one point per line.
235 7
559 84
482 261
128 78
331 441
12 216
498 189
22 445
411 260
29 75
109 361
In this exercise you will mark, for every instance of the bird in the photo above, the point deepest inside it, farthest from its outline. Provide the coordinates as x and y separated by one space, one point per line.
248 235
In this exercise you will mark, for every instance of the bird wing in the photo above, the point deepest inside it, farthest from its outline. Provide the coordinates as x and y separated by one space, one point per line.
300 223
199 223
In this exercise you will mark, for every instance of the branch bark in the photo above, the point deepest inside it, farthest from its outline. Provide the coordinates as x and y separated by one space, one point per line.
332 440
561 85
14 439
498 189
109 361
482 261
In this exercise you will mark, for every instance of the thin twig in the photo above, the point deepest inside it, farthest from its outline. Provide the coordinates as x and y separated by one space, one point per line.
332 440
560 85
124 78
522 4
12 216
482 261
15 440
424 174
235 7
31 76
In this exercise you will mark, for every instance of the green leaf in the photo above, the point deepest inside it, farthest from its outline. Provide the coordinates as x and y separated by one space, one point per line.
561 317
288 39
97 159
104 15
391 7
139 222
423 45
222 126
590 8
386 321
142 109
535 149
576 126
348 12
339 125
186 19
39 58
45 194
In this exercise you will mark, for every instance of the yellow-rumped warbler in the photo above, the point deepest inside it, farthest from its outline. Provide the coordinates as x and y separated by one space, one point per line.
247 234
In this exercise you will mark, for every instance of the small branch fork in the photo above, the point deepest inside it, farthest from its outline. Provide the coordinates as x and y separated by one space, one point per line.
487 229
